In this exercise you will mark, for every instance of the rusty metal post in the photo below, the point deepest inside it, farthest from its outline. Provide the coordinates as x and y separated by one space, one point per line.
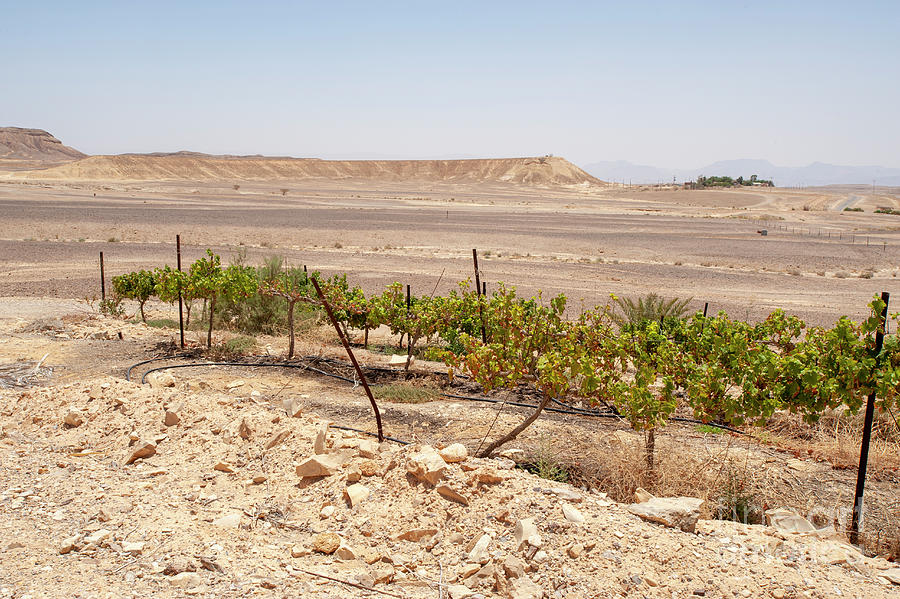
346 344
180 300
102 279
867 432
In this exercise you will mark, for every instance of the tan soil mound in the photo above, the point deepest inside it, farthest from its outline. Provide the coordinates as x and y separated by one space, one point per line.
199 167
34 145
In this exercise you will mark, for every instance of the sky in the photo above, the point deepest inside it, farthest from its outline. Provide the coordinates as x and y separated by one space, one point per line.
677 84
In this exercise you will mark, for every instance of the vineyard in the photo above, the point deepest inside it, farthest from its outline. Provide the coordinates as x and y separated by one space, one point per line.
643 361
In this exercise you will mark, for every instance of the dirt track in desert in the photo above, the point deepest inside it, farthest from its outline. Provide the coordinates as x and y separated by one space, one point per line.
586 242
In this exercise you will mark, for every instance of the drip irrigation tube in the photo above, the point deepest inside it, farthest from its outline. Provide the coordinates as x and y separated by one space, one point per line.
356 430
571 411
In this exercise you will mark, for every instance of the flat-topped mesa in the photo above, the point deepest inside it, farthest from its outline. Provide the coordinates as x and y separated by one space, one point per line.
546 170
34 145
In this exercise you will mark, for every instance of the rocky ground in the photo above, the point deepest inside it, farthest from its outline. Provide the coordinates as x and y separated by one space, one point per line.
216 486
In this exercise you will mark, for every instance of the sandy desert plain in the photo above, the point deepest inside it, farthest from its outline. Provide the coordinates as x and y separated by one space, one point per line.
586 241
216 507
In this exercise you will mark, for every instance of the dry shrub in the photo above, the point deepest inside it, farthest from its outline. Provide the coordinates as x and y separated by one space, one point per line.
836 439
715 469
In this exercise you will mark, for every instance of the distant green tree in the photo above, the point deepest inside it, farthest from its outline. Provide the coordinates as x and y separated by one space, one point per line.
212 282
138 286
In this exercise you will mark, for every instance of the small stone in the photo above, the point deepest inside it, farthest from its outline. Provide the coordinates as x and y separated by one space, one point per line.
299 551
368 467
73 419
458 591
699 592
540 557
427 465
142 449
513 567
293 407
526 532
674 512
416 534
575 550
892 574
788 521
326 542
171 418
186 580
641 495
278 439
469 570
368 449
525 588
484 574
354 473
566 493
479 553
356 493
456 452
159 380
258 480
67 545
103 515
97 537
383 574
571 514
489 476
244 430
224 467
447 492
778 593
133 547
651 581
232 520
178 565
327 512
234 384
345 553
319 465
321 436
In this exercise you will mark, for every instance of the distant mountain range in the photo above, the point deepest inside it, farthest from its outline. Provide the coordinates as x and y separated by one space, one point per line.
817 173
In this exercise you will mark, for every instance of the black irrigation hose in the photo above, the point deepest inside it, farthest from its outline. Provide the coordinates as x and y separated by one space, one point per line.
566 410
356 430
133 366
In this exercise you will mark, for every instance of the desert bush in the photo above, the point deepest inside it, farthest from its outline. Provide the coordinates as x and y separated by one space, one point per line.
649 308
111 306
258 312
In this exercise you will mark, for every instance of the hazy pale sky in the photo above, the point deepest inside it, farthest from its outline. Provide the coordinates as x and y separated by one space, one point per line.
675 84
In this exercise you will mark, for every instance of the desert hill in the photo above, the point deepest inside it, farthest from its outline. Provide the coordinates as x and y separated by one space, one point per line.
547 170
34 145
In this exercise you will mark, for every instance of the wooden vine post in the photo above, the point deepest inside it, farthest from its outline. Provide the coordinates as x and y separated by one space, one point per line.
346 344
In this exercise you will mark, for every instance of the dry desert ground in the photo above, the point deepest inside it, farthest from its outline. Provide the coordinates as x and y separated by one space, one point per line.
228 481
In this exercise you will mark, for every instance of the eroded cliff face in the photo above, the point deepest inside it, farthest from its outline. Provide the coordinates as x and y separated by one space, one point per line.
34 145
